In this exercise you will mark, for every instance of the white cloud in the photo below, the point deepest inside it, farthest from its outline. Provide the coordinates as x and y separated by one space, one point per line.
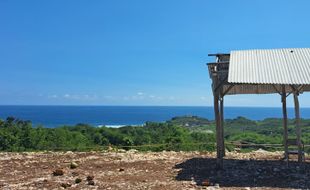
203 98
108 97
52 96
171 98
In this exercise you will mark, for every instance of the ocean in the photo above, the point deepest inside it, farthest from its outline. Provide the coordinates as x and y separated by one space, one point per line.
115 116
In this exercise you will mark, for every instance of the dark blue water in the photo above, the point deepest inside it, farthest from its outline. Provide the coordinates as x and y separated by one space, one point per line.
52 116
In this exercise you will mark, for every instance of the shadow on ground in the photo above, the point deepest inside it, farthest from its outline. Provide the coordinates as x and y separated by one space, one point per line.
246 173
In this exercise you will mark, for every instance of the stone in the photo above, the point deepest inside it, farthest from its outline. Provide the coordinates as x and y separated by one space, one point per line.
58 172
90 178
211 188
73 165
246 188
91 182
205 182
121 150
65 185
217 185
132 151
75 173
193 182
78 180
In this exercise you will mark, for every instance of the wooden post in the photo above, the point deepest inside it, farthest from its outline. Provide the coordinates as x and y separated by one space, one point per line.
217 88
298 129
222 125
285 135
219 161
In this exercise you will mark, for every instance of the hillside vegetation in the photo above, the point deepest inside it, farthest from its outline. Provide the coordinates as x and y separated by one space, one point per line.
179 133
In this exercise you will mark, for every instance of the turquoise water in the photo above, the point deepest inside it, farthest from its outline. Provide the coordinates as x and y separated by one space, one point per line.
53 116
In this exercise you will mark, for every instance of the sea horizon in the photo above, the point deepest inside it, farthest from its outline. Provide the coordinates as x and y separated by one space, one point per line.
117 116
90 105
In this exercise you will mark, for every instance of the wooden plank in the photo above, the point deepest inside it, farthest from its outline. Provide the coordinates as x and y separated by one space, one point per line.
298 129
285 135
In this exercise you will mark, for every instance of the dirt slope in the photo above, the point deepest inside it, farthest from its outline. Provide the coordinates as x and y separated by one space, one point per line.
151 170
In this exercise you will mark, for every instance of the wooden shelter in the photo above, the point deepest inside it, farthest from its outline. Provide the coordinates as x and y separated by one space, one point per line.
281 71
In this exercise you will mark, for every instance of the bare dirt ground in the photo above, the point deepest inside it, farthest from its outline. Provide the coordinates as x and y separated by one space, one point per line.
150 170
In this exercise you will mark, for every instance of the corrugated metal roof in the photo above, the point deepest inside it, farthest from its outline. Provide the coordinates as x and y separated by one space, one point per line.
272 66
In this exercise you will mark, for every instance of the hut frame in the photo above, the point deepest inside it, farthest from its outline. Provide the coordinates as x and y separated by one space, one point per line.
223 85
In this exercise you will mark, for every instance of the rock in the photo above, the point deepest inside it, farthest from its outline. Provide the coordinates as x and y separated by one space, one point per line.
65 185
211 188
121 150
91 182
261 151
73 165
75 173
58 172
205 182
193 182
90 178
132 151
110 148
246 188
78 180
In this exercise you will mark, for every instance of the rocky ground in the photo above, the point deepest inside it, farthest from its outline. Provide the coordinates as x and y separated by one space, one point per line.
150 170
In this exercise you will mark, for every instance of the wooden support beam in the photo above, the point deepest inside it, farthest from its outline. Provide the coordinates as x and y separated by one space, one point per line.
285 135
220 85
278 91
300 88
222 126
228 89
217 87
219 161
288 94
298 129
297 89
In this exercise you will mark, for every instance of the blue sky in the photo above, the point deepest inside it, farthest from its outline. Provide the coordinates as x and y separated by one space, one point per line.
136 52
